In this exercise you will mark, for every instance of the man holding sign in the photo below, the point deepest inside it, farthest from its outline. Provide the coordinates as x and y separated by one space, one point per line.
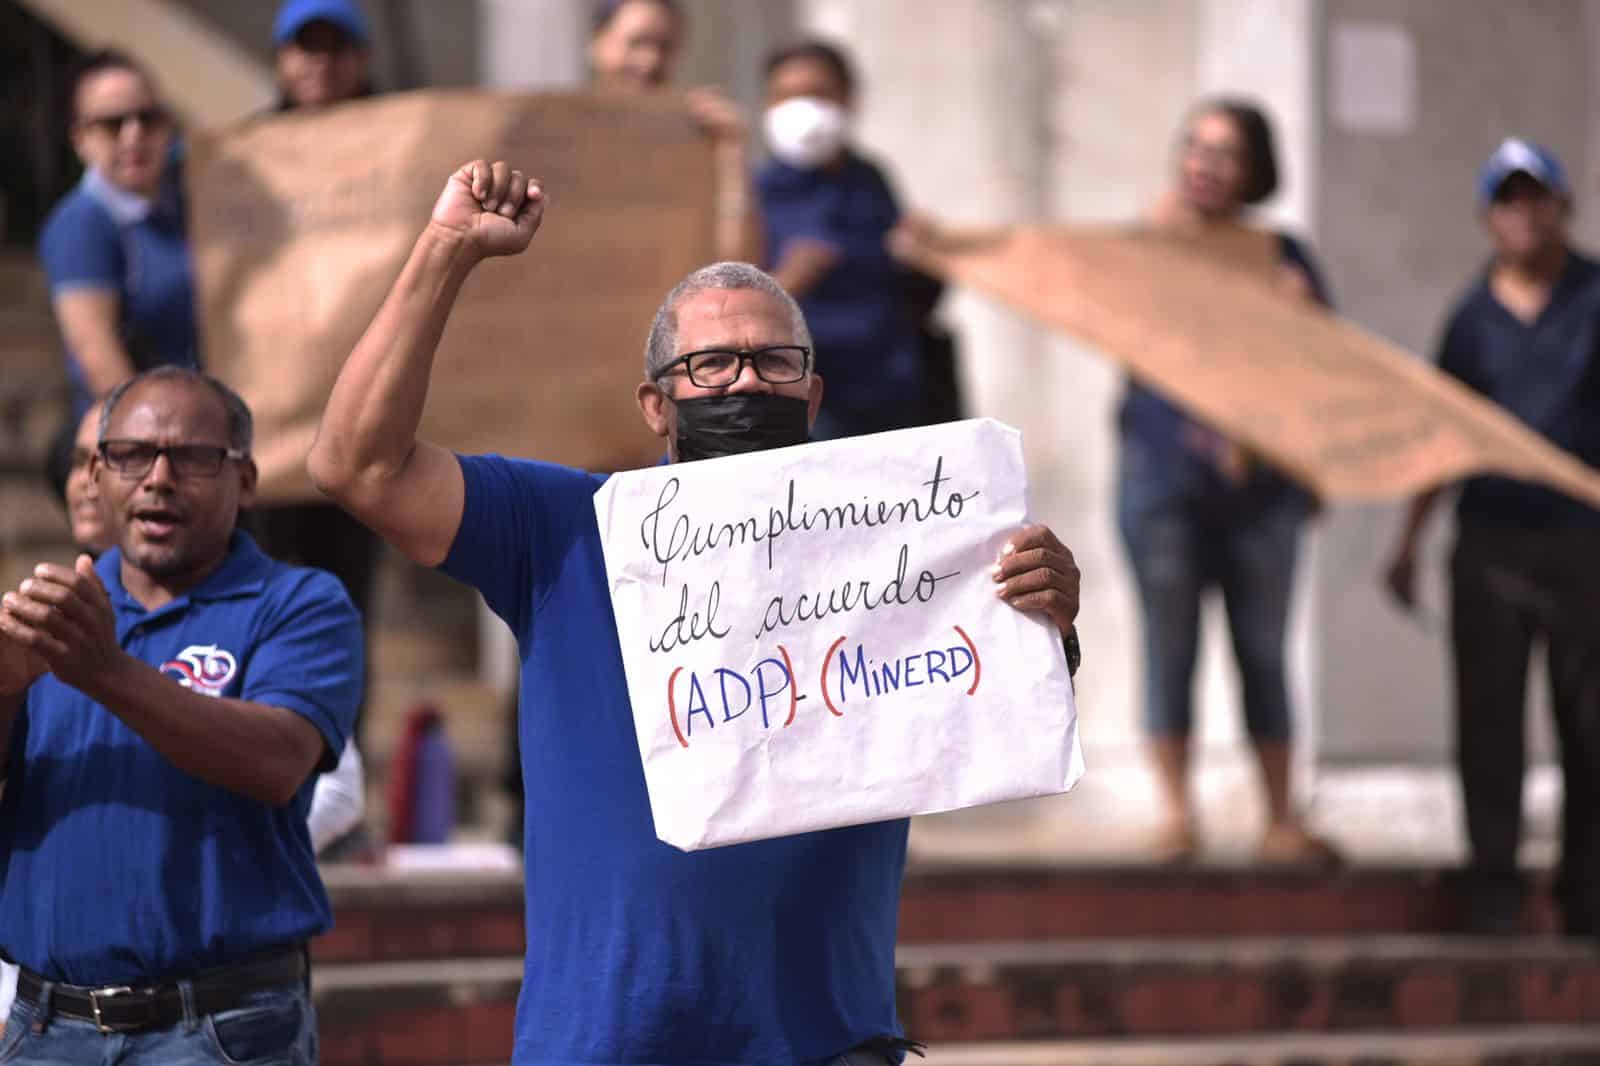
778 951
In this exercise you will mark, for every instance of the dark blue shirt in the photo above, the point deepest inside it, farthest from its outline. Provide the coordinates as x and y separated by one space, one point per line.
866 344
104 238
773 953
118 867
1163 433
1546 373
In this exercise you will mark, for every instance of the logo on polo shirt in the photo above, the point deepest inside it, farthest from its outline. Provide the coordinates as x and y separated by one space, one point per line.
205 668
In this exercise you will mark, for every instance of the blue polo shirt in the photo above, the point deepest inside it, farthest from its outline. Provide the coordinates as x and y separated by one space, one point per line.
775 953
866 344
1158 428
1547 373
105 238
119 868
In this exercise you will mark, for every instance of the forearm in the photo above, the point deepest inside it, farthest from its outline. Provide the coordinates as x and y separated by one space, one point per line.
368 431
105 366
260 752
801 271
88 320
738 224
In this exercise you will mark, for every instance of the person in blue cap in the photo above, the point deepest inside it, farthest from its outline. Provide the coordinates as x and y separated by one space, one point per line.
323 53
1526 565
323 59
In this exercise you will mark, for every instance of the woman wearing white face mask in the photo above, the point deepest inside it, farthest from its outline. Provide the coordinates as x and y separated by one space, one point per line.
826 213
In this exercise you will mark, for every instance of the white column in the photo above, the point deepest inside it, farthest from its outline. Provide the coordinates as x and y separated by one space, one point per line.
532 44
525 44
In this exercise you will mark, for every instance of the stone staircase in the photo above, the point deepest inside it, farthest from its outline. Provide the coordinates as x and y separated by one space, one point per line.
1135 966
32 404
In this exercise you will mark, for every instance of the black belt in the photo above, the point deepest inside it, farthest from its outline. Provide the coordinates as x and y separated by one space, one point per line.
124 1009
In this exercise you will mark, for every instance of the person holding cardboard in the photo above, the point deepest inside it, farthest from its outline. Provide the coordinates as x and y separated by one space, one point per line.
828 211
774 952
322 58
1197 513
1526 565
322 53
634 47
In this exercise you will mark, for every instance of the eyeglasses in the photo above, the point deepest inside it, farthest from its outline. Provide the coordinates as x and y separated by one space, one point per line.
148 117
135 458
715 368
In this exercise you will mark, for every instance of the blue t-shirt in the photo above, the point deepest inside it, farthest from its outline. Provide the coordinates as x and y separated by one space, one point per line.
119 868
1547 373
103 237
761 954
866 342
1159 429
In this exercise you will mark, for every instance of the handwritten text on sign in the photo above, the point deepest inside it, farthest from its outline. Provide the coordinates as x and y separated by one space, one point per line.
812 639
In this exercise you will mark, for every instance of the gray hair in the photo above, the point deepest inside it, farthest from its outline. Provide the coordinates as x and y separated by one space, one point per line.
241 425
662 348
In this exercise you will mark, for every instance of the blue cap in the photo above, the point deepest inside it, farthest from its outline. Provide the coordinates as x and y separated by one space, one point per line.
1517 156
295 14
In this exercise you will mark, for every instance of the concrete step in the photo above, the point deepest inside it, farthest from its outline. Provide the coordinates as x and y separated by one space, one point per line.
1507 1046
1503 1046
1227 986
462 1010
957 902
385 916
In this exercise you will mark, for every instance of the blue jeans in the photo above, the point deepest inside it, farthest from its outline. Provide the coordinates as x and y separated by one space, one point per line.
274 1027
1184 540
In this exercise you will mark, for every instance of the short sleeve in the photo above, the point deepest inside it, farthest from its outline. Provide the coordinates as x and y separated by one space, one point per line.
1297 255
808 222
81 248
888 203
516 522
311 658
1454 356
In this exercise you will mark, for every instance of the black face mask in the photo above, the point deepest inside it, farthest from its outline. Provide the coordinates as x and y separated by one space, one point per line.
734 423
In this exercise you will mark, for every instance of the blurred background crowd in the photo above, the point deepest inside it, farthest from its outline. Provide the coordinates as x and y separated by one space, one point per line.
1264 680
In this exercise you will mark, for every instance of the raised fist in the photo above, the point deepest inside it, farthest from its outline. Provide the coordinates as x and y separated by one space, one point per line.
495 209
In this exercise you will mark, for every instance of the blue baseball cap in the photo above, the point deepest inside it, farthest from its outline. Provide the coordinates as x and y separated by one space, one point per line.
1517 156
295 14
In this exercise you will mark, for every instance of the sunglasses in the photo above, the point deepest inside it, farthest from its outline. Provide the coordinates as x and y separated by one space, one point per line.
147 117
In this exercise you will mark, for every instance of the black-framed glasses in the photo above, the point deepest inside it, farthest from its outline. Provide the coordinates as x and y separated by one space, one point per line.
135 458
713 368
148 117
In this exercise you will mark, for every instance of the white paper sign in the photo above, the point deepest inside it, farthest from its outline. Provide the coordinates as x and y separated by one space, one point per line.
812 637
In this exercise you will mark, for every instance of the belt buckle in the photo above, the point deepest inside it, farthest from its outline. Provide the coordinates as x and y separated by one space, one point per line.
97 994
